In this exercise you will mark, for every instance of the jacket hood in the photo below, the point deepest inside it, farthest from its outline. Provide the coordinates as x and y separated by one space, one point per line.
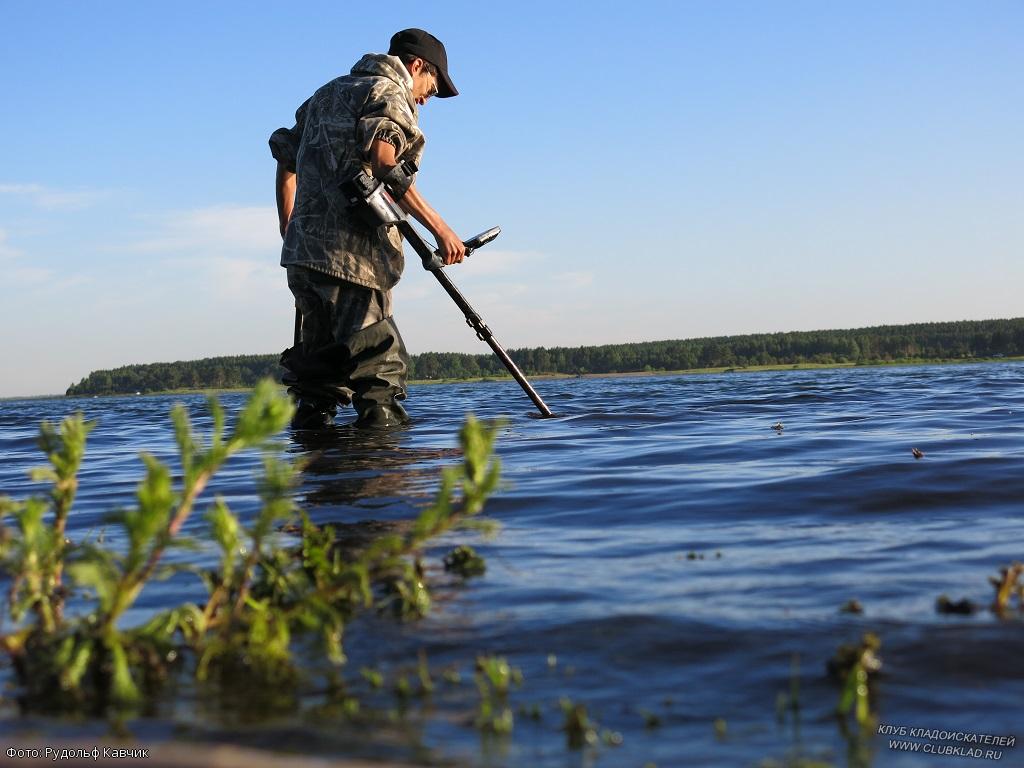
382 65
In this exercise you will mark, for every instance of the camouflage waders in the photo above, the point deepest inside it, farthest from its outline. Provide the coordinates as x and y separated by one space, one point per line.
350 351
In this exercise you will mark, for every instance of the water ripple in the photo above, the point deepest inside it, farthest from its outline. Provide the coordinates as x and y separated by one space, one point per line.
663 540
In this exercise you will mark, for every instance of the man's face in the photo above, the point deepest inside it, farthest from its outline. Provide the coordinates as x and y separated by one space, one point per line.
423 85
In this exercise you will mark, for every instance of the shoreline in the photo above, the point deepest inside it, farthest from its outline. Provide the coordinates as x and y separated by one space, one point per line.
555 376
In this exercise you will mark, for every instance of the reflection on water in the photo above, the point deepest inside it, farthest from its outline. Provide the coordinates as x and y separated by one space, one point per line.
669 550
348 471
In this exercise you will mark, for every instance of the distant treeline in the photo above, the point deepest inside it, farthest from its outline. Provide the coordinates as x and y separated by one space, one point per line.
923 341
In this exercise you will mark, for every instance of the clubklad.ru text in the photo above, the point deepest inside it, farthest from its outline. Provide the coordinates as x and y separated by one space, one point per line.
964 737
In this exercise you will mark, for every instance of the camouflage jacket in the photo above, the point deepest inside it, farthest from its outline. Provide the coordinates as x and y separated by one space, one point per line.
328 145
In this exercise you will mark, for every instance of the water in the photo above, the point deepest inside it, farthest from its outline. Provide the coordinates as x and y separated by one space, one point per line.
669 548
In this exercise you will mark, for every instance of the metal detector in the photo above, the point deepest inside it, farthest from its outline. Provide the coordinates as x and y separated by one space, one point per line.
371 198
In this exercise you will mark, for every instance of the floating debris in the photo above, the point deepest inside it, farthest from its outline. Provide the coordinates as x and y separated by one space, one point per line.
918 454
852 606
533 711
778 427
651 720
959 607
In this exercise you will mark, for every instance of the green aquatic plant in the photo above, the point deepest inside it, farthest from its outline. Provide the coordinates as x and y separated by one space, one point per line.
580 730
32 550
1008 585
372 676
90 657
494 677
611 738
266 588
855 665
788 708
465 562
787 703
426 680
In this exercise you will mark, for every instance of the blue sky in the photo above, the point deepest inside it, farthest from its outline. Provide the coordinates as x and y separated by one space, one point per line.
660 170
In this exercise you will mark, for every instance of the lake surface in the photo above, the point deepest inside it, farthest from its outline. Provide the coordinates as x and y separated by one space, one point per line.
665 545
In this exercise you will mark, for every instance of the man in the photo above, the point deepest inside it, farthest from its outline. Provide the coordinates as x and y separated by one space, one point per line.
341 270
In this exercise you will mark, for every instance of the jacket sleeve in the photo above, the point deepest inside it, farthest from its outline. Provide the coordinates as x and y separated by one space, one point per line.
284 142
387 116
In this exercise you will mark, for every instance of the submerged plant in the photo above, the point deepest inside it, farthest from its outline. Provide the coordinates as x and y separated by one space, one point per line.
651 719
265 590
580 730
494 677
789 702
855 666
465 562
1008 585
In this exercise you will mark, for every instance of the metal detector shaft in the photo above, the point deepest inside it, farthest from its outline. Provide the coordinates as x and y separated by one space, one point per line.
433 265
367 195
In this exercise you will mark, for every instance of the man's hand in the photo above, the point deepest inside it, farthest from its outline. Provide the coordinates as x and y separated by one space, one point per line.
449 246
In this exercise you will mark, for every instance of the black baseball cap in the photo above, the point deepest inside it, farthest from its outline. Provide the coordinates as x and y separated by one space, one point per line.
421 43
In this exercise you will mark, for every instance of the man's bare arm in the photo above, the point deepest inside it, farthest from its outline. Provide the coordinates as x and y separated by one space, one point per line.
285 185
382 160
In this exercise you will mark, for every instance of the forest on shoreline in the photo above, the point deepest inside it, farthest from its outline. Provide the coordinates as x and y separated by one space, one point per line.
962 340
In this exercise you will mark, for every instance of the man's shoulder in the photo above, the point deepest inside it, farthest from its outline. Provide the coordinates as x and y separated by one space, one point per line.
341 83
362 87
380 88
